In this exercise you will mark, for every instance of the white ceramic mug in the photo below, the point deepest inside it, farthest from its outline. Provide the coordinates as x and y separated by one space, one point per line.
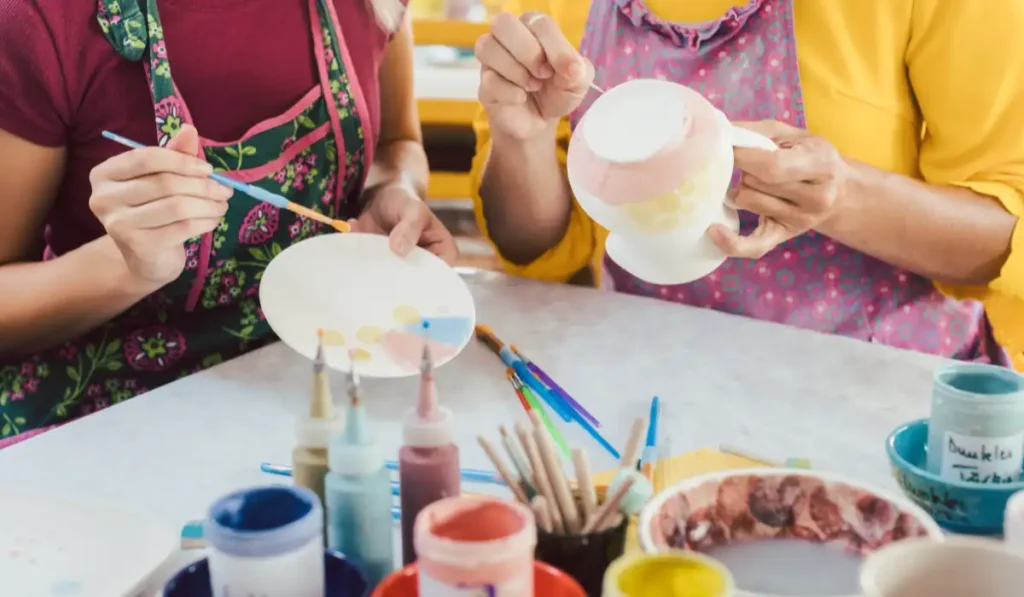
956 567
651 161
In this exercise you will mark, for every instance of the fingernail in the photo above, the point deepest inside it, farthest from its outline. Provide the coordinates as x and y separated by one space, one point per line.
401 245
575 70
225 192
533 85
546 70
204 168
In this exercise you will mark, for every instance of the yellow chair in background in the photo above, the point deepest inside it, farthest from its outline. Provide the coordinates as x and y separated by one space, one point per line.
438 108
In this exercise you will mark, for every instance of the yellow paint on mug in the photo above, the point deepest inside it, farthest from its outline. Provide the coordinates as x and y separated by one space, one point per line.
668 574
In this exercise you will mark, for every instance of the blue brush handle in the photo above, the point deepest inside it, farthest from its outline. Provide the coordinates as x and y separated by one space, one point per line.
554 402
652 422
248 189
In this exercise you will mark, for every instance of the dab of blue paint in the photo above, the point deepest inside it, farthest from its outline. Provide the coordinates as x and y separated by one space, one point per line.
66 588
452 331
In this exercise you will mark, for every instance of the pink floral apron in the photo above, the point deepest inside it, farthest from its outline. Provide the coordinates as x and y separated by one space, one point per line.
745 63
315 154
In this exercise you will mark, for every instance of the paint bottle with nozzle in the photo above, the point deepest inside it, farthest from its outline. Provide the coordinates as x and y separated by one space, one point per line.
314 432
475 545
428 461
358 491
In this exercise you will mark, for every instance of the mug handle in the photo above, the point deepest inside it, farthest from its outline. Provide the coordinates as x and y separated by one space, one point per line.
749 139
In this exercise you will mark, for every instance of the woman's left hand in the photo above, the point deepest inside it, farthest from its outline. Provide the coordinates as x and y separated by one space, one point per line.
396 210
793 189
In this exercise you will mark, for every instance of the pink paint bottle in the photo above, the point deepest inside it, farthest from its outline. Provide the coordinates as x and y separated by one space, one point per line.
428 461
475 545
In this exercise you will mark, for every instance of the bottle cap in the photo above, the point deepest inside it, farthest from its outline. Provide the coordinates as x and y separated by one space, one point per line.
318 433
428 433
354 452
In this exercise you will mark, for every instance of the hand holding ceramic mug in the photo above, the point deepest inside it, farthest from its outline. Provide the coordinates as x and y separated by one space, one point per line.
792 189
530 75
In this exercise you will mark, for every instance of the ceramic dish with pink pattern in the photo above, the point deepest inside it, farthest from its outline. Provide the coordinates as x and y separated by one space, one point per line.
782 532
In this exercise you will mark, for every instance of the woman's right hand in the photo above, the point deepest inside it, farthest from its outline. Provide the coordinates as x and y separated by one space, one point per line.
530 75
151 200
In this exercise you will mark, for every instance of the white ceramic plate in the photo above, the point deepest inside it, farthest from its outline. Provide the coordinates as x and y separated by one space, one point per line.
371 303
62 548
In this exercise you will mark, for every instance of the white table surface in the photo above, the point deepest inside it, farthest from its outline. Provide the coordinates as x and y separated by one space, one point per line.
769 389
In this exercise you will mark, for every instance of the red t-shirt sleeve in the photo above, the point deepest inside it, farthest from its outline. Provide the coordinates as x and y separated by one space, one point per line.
34 101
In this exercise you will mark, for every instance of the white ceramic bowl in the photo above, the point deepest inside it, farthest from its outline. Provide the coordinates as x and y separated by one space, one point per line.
766 504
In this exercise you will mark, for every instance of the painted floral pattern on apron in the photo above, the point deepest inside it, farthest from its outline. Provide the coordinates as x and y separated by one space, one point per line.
745 63
313 155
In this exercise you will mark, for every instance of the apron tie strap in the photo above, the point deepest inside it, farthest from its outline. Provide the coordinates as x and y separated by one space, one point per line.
124 25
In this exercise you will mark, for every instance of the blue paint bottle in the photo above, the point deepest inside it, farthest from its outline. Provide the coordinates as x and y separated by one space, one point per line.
358 494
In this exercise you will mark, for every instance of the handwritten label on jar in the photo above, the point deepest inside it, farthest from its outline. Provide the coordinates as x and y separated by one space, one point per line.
985 460
513 587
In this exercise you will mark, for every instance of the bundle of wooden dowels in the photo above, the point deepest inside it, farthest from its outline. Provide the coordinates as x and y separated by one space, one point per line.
539 481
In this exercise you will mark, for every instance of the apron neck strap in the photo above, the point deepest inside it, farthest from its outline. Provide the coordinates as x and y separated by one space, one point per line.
124 24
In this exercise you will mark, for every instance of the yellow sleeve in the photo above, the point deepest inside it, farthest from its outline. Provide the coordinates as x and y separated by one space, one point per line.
579 245
966 65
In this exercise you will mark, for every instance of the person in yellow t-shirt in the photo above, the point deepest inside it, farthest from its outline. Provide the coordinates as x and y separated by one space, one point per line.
900 171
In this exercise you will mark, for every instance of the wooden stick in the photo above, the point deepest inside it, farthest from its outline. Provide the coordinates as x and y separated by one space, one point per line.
633 444
540 476
556 476
608 508
541 512
734 451
499 465
515 452
612 522
584 484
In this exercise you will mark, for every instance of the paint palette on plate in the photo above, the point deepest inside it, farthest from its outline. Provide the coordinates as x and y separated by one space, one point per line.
61 548
376 309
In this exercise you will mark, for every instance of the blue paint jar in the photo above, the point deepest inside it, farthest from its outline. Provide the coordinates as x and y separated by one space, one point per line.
976 431
267 541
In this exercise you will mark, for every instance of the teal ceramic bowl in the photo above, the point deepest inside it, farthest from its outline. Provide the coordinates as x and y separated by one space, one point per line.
958 507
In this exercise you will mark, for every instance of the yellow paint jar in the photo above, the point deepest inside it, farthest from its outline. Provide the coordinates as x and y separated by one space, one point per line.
667 574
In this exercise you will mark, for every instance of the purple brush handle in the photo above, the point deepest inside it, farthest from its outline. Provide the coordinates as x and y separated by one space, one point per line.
563 394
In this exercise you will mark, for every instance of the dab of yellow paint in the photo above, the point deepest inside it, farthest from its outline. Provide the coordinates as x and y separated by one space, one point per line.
369 334
662 213
333 338
407 315
667 576
358 354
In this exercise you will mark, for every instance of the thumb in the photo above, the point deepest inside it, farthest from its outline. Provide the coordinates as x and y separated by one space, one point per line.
406 233
185 141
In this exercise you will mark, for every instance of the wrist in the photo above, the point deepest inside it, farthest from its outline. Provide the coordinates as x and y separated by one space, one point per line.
543 135
122 280
856 182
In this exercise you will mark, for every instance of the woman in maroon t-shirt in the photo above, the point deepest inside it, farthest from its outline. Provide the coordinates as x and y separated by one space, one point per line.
121 271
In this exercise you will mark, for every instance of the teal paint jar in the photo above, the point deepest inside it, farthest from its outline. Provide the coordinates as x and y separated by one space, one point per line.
976 431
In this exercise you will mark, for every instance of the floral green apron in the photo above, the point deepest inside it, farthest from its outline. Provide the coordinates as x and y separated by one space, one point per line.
211 313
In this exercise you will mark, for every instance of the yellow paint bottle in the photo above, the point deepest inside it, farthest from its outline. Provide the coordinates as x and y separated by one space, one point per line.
667 574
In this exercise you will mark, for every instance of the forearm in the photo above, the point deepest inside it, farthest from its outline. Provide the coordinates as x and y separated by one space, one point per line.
948 234
403 162
46 303
525 196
